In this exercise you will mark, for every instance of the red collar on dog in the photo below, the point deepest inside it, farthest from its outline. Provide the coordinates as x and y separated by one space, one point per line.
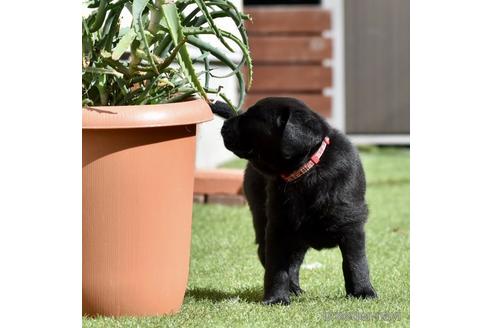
309 165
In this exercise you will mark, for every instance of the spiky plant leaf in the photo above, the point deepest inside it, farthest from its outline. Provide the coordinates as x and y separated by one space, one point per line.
123 44
175 29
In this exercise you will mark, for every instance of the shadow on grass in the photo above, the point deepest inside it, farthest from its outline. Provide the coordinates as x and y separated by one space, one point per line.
215 296
255 296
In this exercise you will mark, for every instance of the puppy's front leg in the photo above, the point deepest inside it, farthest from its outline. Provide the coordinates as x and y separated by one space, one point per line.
295 261
355 267
276 283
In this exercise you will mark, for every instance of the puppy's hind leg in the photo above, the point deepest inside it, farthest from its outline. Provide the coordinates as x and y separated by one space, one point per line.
355 267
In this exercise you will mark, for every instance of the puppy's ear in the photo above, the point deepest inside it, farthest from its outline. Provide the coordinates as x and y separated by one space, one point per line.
292 136
299 134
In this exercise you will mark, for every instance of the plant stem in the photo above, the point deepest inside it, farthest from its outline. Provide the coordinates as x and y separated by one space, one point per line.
103 96
117 66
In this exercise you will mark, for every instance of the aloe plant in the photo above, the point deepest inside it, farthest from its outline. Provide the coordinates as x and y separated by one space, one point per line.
149 62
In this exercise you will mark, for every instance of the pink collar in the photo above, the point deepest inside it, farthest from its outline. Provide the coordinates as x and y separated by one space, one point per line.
309 165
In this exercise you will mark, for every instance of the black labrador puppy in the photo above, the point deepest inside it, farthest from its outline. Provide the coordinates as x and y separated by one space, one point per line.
305 186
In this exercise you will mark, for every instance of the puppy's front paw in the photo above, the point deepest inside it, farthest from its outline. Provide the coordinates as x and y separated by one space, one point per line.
280 299
296 290
366 292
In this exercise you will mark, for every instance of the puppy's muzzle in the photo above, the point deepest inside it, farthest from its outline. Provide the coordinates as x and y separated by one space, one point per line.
230 135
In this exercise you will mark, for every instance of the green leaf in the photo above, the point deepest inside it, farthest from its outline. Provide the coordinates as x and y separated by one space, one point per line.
205 46
157 41
87 43
123 44
228 101
211 23
190 16
123 31
146 45
172 21
142 99
105 54
206 62
175 29
98 70
100 16
112 29
181 96
137 8
231 11
242 46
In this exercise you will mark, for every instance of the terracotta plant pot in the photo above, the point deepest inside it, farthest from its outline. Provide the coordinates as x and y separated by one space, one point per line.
137 171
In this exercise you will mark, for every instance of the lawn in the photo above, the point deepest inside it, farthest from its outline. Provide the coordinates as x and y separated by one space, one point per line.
225 283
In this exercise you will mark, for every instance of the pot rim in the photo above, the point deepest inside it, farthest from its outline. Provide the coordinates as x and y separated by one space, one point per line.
146 116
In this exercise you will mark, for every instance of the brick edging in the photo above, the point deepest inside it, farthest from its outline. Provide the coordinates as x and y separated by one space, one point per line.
219 186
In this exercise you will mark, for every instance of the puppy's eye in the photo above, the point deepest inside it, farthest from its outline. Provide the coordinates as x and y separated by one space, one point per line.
282 119
279 121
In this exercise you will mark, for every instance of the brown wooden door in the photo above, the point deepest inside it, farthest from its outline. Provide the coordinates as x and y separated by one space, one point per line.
288 50
377 66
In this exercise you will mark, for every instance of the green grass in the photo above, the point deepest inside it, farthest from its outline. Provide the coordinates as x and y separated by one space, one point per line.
225 283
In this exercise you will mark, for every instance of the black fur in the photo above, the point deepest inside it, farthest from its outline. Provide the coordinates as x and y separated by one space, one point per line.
324 208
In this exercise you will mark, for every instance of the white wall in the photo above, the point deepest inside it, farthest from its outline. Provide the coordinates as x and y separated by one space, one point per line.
337 91
210 146
210 150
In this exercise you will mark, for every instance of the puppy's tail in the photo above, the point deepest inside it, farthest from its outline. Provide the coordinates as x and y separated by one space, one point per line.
222 109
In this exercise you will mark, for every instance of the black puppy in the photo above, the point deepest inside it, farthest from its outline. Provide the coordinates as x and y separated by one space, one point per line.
305 187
